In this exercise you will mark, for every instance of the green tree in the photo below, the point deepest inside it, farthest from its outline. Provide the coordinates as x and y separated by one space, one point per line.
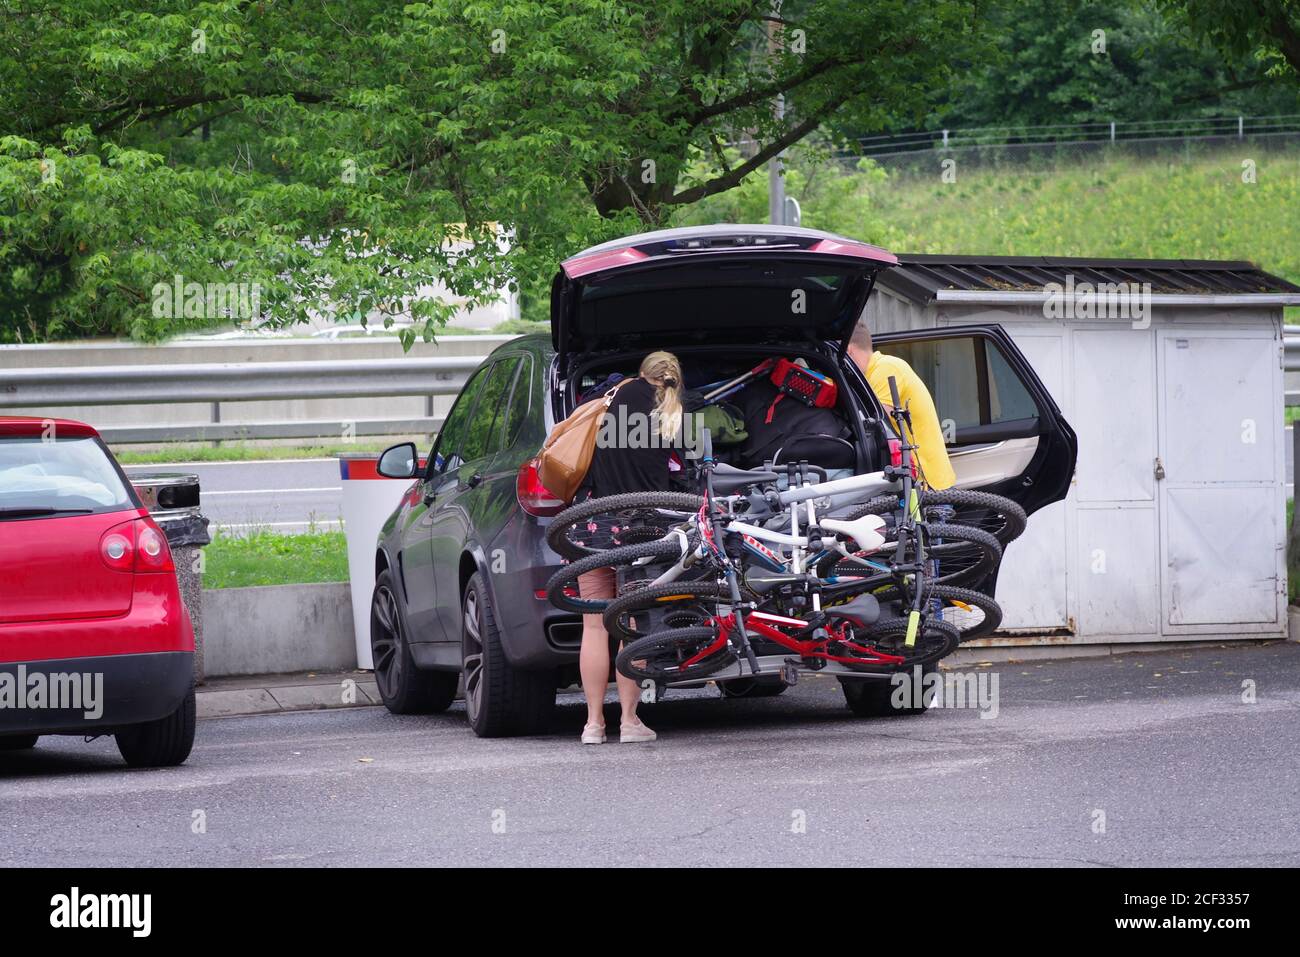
1093 61
1269 29
338 155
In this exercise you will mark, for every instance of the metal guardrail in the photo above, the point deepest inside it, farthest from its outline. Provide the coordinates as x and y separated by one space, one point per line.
50 388
235 381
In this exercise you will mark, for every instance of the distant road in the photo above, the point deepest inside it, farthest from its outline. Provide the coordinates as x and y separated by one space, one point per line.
280 495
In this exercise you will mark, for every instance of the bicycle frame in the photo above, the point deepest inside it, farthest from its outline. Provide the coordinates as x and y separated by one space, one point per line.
769 626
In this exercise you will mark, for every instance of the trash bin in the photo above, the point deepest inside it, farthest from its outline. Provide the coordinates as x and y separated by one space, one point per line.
368 500
172 498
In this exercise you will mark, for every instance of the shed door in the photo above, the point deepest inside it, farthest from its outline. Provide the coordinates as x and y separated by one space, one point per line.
1219 497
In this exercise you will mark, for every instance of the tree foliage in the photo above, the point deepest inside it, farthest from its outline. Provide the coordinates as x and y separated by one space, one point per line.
341 154
1093 61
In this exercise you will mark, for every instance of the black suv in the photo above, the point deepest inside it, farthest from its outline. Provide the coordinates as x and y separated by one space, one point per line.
462 563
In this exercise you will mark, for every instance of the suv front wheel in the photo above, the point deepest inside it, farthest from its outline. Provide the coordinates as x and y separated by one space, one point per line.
404 688
500 700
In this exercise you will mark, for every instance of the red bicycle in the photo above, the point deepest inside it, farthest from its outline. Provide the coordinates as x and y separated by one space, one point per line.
843 639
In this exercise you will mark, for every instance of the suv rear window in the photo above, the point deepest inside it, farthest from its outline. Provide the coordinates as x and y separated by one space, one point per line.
52 475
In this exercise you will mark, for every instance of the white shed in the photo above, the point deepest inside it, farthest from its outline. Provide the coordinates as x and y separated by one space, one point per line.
1171 373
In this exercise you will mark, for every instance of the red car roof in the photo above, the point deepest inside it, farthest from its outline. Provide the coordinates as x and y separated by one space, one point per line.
31 425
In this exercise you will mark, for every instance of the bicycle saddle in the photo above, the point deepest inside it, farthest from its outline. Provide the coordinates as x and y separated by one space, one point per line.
866 531
862 611
728 478
761 586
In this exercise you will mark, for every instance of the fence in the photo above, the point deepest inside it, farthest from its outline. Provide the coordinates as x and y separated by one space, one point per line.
1072 134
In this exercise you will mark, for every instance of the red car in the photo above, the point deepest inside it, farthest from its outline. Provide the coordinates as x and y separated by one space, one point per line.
94 637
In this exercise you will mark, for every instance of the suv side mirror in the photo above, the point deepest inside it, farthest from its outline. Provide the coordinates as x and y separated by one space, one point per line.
399 461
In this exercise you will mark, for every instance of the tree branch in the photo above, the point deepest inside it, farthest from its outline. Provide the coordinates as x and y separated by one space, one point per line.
768 91
733 178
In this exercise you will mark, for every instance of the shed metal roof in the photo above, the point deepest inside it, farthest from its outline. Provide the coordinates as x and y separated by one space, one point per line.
927 278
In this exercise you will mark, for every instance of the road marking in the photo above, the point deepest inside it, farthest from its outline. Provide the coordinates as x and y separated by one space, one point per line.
273 491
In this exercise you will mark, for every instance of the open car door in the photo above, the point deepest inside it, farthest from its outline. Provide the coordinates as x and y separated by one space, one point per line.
1005 433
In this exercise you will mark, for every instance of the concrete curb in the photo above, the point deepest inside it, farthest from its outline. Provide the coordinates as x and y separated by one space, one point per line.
267 694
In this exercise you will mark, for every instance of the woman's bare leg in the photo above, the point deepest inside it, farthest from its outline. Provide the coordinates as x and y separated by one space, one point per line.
629 695
593 658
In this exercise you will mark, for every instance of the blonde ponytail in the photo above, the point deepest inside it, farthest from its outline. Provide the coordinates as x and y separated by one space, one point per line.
664 372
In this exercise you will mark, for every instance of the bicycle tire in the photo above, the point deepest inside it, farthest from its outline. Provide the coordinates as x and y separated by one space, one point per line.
1002 518
631 502
966 555
643 599
936 640
566 575
669 646
990 609
968 630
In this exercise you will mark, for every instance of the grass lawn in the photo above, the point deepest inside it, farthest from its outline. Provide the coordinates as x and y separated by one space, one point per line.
273 558
1193 207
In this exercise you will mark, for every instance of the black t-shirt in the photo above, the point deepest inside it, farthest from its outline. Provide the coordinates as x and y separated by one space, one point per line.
630 456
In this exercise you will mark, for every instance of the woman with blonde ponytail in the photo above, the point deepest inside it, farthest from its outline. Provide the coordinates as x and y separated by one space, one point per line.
633 448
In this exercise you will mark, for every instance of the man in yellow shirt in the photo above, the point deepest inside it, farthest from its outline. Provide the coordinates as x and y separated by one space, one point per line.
877 367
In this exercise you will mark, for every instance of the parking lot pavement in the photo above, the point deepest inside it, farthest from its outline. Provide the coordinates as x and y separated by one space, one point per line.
1135 759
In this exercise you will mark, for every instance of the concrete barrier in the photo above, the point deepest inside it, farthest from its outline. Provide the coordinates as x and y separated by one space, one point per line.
276 629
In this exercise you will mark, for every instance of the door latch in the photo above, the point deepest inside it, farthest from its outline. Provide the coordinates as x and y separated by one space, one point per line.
1159 469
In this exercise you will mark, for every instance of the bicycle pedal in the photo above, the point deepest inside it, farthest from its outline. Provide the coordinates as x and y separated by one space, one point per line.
789 674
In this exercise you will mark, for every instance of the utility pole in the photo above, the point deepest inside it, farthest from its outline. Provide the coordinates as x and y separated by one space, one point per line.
776 166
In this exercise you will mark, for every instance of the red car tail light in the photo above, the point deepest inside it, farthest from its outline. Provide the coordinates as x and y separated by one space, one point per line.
137 546
117 548
532 494
152 553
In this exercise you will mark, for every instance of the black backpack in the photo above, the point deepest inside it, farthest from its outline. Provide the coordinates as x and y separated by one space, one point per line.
796 431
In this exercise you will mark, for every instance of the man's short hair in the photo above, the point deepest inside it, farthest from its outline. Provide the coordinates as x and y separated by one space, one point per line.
862 336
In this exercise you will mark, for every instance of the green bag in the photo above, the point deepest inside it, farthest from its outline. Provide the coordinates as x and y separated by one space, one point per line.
725 423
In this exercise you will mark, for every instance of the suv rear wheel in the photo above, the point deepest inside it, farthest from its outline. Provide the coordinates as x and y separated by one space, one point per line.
500 700
873 697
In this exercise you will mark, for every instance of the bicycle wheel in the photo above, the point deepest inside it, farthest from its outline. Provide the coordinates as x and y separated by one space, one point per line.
934 640
665 549
995 514
694 598
638 516
966 555
663 656
972 613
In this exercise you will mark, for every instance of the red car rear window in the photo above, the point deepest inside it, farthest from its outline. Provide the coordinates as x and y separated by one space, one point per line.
47 476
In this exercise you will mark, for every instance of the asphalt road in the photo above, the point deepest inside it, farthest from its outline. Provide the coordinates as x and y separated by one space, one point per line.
1184 771
289 495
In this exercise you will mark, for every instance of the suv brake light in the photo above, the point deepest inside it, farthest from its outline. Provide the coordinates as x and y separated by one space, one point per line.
896 457
534 498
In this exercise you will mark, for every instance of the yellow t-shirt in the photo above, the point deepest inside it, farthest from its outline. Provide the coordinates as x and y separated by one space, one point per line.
926 431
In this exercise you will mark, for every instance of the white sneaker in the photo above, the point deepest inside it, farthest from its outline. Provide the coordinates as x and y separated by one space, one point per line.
635 733
593 734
